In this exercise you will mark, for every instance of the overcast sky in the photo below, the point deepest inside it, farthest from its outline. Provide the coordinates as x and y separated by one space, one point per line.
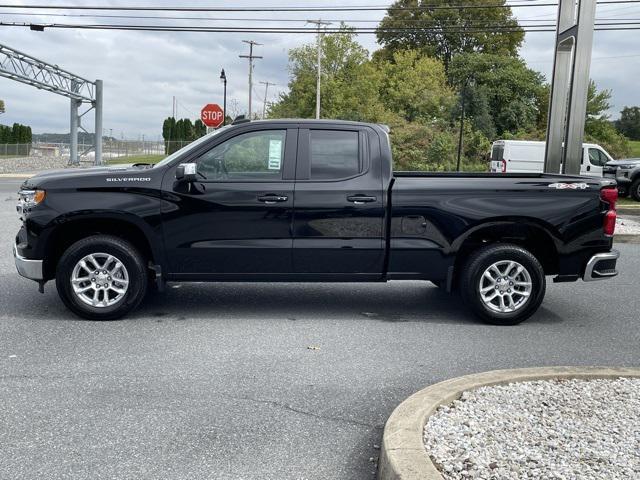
142 71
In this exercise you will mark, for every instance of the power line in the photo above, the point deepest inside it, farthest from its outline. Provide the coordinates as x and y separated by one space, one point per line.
263 20
284 30
354 8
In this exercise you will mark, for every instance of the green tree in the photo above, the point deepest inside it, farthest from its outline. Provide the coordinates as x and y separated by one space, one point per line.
5 134
598 128
415 86
349 86
629 122
200 128
177 133
504 95
445 32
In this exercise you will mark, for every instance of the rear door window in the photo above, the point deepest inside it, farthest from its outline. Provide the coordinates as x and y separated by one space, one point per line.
497 153
334 154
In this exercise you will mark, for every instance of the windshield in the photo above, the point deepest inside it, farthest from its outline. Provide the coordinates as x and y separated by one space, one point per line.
190 147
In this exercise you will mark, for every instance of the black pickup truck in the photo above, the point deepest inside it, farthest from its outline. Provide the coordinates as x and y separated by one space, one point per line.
304 200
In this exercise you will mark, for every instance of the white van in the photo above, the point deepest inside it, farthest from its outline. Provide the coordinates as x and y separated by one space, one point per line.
521 156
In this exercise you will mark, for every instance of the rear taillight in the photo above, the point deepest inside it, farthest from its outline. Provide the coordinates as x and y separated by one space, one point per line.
609 225
610 197
504 166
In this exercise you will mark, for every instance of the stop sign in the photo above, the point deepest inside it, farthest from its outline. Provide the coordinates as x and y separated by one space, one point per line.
212 115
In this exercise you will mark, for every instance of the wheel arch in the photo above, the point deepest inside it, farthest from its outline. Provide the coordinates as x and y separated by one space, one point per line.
524 232
69 229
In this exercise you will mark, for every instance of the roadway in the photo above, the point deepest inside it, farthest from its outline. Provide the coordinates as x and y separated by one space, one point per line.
260 381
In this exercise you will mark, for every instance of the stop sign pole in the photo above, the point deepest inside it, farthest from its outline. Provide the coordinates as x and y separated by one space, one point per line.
212 115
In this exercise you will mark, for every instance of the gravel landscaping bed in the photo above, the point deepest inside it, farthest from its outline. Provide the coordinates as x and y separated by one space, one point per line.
31 164
549 429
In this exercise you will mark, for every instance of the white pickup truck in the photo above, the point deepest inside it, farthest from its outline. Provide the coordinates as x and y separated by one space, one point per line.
520 156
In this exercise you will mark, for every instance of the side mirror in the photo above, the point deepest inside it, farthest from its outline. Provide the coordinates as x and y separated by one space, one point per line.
186 172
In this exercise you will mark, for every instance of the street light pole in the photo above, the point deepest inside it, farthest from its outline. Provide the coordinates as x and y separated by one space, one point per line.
223 77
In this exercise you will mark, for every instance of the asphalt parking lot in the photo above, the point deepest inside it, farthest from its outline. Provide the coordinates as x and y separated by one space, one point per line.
268 381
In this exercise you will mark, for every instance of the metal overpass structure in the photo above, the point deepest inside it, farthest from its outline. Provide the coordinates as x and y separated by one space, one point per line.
29 70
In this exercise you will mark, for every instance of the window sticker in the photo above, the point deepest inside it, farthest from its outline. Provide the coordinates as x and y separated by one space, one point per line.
275 154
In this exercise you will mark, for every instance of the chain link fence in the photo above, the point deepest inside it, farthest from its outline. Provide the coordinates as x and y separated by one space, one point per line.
15 150
16 158
111 149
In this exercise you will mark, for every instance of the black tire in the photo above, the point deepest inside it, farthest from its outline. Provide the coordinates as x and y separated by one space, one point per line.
635 190
473 272
126 253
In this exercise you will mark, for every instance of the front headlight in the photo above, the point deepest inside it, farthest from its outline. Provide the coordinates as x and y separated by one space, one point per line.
626 167
27 199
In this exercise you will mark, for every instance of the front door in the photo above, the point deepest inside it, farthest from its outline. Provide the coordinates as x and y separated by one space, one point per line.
595 160
235 220
339 214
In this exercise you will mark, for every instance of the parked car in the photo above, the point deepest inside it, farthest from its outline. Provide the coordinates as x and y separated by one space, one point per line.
304 200
627 173
519 156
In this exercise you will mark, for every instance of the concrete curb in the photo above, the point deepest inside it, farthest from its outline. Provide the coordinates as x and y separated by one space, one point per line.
626 238
403 456
626 210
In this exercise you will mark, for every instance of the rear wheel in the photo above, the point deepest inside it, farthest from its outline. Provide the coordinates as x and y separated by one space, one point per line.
635 190
101 277
503 284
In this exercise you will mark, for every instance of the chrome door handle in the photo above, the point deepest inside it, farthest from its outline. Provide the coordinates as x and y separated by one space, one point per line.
361 199
272 198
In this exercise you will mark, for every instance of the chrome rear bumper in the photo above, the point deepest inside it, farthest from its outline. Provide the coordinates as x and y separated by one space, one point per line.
601 266
31 269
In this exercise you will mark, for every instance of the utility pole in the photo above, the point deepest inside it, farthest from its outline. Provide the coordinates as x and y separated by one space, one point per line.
266 89
461 133
173 107
319 24
251 56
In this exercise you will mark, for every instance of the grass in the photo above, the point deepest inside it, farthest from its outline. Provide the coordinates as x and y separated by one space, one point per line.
628 202
135 159
635 148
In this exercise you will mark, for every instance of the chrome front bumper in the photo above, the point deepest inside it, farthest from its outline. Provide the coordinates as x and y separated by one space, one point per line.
601 266
31 269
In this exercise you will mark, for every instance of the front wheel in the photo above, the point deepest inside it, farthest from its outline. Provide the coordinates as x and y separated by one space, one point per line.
503 284
101 277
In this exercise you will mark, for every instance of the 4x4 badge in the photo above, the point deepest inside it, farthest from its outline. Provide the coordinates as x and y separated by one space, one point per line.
569 186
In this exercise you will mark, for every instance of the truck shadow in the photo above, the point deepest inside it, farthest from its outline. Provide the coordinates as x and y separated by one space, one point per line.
396 302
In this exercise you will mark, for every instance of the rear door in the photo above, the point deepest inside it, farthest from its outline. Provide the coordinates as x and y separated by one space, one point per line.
339 204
